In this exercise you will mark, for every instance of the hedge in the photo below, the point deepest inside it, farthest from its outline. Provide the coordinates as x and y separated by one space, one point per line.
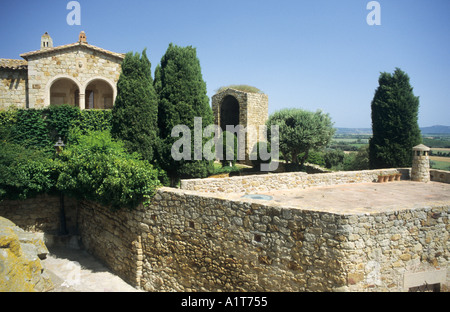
92 165
41 128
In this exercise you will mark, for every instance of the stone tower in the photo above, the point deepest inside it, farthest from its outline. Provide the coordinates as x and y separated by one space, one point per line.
420 170
250 110
46 41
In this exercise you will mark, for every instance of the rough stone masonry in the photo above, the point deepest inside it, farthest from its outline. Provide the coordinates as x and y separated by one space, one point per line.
194 241
191 241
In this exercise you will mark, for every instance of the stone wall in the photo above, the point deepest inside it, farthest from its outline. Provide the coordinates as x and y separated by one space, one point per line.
193 241
440 176
40 214
382 251
188 241
114 238
291 180
13 88
257 115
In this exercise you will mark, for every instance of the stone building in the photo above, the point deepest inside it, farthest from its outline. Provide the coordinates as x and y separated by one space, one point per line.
78 74
250 110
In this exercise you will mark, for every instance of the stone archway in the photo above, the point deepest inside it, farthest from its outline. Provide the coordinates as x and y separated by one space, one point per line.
63 90
229 112
99 94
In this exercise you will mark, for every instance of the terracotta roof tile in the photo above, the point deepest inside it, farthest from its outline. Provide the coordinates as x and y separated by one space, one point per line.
13 64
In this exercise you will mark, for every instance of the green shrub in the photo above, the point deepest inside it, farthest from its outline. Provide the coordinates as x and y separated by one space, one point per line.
226 169
94 120
92 166
8 117
230 148
40 128
359 161
95 167
316 158
60 119
24 172
334 158
255 155
30 130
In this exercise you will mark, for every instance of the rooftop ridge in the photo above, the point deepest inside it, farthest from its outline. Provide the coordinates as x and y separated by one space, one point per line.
72 45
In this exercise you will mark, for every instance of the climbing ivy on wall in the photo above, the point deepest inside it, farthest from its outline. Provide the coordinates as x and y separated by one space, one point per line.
41 128
30 129
94 120
60 119
93 165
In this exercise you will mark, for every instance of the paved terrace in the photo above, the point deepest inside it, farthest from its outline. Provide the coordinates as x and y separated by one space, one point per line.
356 198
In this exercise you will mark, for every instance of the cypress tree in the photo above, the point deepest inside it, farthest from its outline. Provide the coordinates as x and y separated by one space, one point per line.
135 112
182 96
395 128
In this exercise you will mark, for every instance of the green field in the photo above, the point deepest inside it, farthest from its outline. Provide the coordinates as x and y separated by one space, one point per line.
349 142
437 143
441 141
440 163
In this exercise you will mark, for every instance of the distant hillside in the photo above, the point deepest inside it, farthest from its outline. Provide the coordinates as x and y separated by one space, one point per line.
354 131
438 129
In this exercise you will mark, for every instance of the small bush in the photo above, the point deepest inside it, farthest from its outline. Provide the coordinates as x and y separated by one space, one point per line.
226 169
8 117
30 130
24 172
94 120
59 120
255 156
334 158
95 167
229 148
316 158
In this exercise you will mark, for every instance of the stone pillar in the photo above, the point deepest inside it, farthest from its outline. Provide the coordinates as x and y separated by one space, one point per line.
82 101
420 170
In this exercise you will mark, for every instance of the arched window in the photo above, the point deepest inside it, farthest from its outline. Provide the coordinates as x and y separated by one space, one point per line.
99 94
64 91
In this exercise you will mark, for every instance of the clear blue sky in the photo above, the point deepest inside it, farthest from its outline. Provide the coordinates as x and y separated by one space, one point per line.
314 54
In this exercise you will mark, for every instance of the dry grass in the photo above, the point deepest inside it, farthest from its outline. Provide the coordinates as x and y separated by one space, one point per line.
438 158
243 88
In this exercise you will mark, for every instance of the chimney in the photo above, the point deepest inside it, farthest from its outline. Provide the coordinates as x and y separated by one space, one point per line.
46 41
82 37
420 170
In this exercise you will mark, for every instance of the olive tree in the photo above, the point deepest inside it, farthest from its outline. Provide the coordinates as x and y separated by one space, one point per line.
301 131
